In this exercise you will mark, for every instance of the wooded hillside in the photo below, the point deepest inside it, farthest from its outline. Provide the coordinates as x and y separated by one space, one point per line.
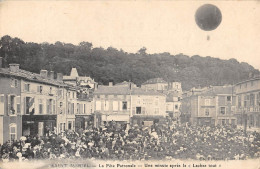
111 64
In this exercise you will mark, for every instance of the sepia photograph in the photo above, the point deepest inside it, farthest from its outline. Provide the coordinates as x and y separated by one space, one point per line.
148 84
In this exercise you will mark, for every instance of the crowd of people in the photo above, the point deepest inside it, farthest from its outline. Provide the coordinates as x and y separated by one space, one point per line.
160 142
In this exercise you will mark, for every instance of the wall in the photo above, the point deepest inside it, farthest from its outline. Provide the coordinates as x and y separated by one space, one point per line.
149 103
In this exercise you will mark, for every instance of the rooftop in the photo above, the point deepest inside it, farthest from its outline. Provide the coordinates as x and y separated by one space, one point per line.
116 90
249 80
154 81
218 90
30 76
125 90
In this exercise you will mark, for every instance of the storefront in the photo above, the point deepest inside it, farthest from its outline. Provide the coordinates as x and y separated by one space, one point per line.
38 124
84 121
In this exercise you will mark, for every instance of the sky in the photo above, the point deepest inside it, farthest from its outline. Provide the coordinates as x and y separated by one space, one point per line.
160 26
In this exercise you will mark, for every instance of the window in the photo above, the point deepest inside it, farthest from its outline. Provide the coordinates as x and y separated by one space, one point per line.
70 125
39 89
207 102
50 106
124 105
50 90
12 131
29 105
156 111
246 100
239 101
176 106
78 108
115 105
252 99
106 105
229 98
72 108
138 110
206 112
179 99
27 87
98 105
222 110
40 106
14 83
11 105
18 104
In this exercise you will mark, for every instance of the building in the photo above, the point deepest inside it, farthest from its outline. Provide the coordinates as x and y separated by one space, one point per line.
84 114
28 102
248 102
10 106
75 80
112 103
212 106
173 104
155 84
148 106
161 85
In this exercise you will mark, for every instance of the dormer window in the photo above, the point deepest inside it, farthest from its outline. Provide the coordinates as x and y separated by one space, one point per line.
14 83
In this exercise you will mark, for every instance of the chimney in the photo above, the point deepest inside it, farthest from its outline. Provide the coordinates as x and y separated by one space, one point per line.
51 75
96 86
1 62
44 73
14 67
110 84
60 77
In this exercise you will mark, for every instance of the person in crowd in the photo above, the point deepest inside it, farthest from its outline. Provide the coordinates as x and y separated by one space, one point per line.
159 142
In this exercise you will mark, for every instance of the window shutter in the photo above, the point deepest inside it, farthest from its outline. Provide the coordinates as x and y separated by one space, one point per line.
128 105
9 104
18 103
15 105
120 106
143 110
47 107
54 107
2 104
133 110
24 105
